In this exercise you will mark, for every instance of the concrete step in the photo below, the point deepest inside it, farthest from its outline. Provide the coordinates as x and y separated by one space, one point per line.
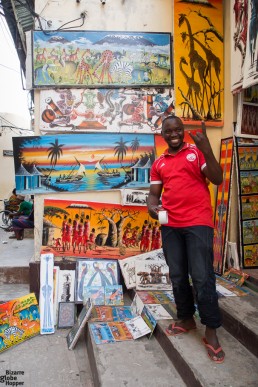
14 275
136 363
11 291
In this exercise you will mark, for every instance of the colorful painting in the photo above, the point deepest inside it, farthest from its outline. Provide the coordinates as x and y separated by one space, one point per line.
101 58
112 313
95 293
95 272
239 26
247 155
66 314
222 205
152 275
251 57
82 162
106 110
199 65
96 230
47 319
19 321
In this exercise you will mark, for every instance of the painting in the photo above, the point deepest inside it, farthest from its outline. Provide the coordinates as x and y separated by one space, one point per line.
76 330
239 26
127 265
95 273
82 162
66 286
251 57
101 58
56 271
247 166
19 321
106 110
232 256
66 315
247 113
198 58
222 205
152 275
47 318
134 197
97 230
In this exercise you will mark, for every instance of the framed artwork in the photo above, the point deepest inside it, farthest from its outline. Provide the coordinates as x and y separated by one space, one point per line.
97 230
106 110
95 273
247 113
239 27
66 314
199 63
76 330
247 165
134 197
101 58
222 205
19 321
82 162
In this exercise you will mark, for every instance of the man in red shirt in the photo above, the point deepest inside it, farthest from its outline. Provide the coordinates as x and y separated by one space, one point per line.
180 175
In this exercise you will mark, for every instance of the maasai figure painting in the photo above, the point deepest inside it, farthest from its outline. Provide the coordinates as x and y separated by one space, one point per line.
101 58
222 205
198 58
82 162
96 230
107 110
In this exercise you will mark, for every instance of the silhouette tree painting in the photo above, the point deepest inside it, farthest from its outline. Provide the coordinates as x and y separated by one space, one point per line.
52 212
54 153
121 149
134 146
116 219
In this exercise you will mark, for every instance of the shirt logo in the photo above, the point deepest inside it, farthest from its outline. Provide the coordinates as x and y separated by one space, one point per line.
191 157
162 165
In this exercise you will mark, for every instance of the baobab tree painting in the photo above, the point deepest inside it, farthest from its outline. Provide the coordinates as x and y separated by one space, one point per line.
97 230
199 84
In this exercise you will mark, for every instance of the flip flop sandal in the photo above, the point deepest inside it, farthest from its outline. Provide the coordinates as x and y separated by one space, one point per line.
181 330
214 357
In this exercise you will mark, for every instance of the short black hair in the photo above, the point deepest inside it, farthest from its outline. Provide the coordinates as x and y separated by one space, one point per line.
172 117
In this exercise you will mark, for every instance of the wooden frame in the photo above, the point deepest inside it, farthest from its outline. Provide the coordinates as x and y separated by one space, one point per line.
66 314
81 58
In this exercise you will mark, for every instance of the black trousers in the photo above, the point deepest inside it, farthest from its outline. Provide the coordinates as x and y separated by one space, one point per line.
189 250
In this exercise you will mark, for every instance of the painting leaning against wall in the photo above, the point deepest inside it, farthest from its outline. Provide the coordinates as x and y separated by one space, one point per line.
82 162
97 230
101 58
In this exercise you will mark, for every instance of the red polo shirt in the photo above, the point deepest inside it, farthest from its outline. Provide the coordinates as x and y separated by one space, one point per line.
185 195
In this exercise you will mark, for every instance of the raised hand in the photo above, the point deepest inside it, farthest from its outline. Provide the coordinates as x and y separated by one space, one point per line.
201 140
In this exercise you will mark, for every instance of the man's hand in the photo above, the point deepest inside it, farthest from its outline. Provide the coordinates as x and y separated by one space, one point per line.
201 140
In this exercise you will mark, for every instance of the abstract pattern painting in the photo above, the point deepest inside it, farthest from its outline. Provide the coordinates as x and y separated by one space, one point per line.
106 110
101 58
198 58
251 57
96 230
82 162
247 162
222 205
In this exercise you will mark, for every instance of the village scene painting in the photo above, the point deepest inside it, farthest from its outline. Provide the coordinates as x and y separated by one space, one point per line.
101 58
97 230
107 110
82 162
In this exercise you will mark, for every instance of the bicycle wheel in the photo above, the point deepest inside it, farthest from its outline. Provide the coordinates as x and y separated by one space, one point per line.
5 220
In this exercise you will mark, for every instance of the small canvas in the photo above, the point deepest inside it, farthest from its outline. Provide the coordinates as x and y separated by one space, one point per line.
83 317
158 312
137 327
66 285
127 265
232 256
66 314
152 275
120 331
95 293
101 333
134 196
114 295
137 305
149 319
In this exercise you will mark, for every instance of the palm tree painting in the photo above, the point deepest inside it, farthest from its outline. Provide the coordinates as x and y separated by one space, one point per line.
83 162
